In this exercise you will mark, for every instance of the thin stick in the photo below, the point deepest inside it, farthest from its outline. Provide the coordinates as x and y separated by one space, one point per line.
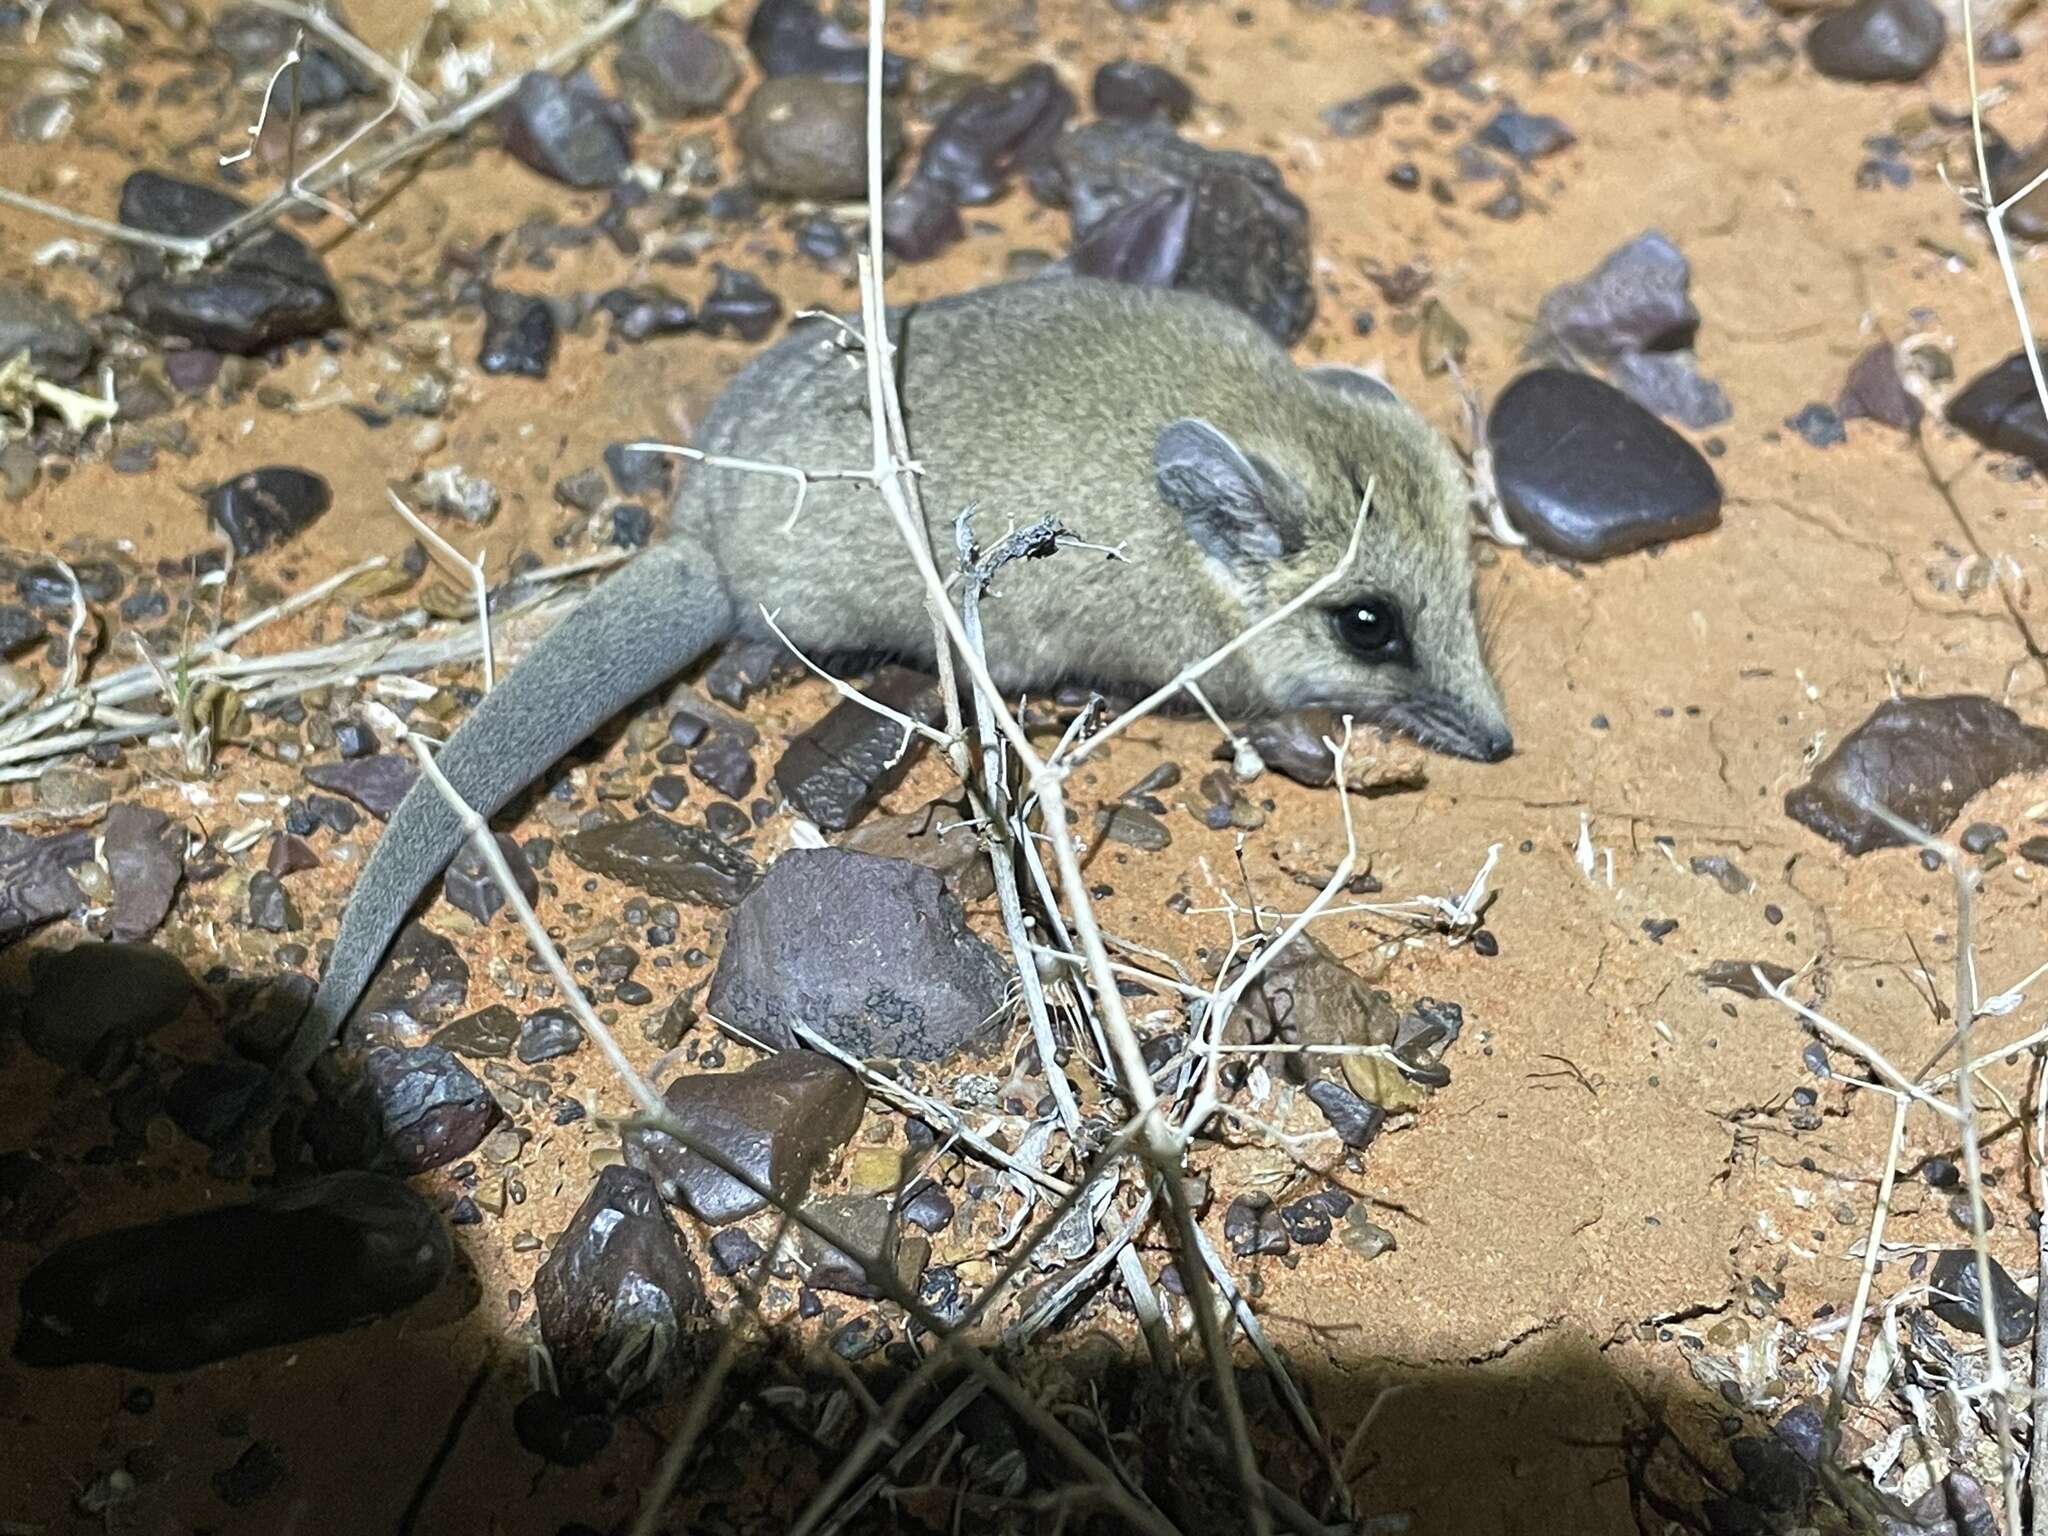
415 101
2037 1465
290 63
1151 702
429 134
847 691
185 247
1832 1422
891 441
473 569
803 479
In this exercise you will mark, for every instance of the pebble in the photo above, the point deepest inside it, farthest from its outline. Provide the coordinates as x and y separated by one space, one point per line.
841 767
1671 385
271 908
256 39
727 822
566 129
20 630
724 762
870 1243
2001 410
59 348
1356 1122
619 1276
1525 135
192 370
294 1263
2011 171
34 1198
665 859
1364 1237
1627 481
1981 836
377 783
2034 850
488 1033
1247 242
1923 759
791 37
218 1103
805 138
519 335
453 491
418 1107
269 291
919 221
1309 1220
640 313
1724 872
738 305
638 471
1773 1476
561 1432
1134 828
1131 88
89 1004
336 815
1878 40
1253 1228
265 507
1633 316
941 837
1958 1300
144 851
733 1250
673 67
872 953
1739 976
1360 115
1450 66
1819 425
994 130
547 1035
1874 391
470 887
825 240
584 490
928 1208
1292 744
1956 1506
421 982
783 1120
35 885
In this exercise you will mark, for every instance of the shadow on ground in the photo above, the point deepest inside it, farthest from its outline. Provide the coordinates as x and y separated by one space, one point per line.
421 1421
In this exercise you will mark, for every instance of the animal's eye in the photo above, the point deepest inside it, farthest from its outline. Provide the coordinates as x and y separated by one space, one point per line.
1372 628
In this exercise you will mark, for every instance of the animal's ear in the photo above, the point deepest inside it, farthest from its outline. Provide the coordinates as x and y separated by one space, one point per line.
1236 508
1355 382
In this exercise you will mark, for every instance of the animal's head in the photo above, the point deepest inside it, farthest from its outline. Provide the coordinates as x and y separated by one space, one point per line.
1394 640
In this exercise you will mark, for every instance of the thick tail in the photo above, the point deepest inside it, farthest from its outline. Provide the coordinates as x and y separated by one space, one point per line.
637 630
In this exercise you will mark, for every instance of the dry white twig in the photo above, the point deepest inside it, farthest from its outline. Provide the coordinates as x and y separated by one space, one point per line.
471 569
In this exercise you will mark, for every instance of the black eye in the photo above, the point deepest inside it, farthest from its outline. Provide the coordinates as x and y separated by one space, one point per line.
1373 629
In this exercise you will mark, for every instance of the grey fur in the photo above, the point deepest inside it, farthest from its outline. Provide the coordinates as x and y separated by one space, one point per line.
1065 397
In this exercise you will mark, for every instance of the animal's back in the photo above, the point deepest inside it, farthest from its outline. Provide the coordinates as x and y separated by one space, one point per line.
1035 399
